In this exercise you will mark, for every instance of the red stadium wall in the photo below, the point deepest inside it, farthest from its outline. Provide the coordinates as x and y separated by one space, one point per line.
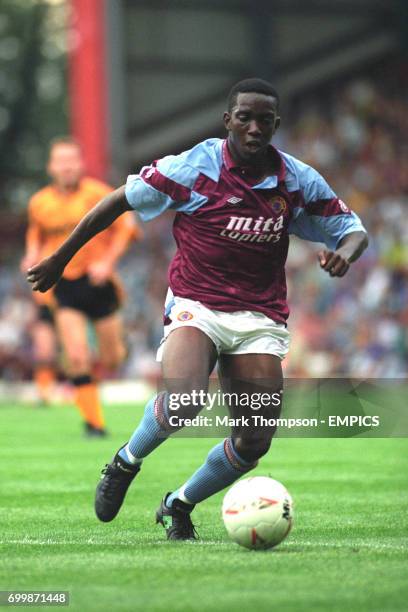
87 83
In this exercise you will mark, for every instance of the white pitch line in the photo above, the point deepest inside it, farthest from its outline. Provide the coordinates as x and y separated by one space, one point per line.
208 543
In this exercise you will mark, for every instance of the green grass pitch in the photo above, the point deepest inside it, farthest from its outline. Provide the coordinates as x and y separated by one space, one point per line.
347 551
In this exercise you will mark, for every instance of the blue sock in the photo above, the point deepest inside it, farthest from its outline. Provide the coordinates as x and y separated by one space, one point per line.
151 432
222 467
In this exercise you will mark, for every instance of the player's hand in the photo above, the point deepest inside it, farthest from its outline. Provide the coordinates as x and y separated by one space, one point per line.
333 262
100 272
45 274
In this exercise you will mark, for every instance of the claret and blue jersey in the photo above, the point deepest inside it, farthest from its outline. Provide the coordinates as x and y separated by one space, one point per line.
232 232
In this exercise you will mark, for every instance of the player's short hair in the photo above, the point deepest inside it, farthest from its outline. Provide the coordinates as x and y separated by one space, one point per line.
251 86
63 140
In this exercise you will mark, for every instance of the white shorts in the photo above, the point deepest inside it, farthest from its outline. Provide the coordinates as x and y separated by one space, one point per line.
233 333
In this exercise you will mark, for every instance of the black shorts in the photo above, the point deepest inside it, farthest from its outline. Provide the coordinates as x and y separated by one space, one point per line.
45 314
95 301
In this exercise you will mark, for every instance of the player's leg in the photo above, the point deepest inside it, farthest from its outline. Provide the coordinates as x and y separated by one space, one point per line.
188 358
110 338
72 328
44 349
247 374
253 375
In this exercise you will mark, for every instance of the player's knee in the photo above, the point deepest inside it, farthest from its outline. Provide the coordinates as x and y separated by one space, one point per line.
44 354
252 449
78 361
112 359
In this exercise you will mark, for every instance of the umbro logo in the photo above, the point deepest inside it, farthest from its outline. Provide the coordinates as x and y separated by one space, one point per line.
234 200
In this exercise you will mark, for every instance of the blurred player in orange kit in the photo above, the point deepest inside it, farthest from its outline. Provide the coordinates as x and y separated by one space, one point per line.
89 289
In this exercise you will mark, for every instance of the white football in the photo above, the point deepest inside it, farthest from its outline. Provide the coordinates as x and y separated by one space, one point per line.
258 512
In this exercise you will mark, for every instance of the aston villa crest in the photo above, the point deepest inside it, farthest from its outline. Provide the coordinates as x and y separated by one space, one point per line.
278 205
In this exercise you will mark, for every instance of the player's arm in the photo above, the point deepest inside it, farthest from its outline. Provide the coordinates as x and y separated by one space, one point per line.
349 249
122 232
167 184
322 217
34 238
44 275
33 248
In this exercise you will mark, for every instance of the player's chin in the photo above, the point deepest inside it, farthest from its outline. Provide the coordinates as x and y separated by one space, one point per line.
253 152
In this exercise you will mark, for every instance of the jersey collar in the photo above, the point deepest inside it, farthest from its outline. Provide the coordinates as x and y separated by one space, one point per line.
270 181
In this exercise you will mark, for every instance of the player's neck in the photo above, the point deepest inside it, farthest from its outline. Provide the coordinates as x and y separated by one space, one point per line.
65 189
258 166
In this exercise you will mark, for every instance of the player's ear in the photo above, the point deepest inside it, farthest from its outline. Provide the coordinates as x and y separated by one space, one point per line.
227 120
277 123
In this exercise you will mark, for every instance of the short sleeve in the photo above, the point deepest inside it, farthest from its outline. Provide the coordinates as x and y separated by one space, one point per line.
165 184
320 215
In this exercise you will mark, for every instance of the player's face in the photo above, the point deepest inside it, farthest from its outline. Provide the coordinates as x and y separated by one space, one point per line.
251 124
65 165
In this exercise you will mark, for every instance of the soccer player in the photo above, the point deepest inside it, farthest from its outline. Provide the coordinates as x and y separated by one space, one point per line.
237 200
89 290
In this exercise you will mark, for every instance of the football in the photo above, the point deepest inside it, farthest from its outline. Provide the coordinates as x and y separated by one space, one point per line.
258 512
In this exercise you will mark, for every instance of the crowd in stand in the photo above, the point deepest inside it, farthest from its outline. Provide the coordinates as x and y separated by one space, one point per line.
356 135
358 326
